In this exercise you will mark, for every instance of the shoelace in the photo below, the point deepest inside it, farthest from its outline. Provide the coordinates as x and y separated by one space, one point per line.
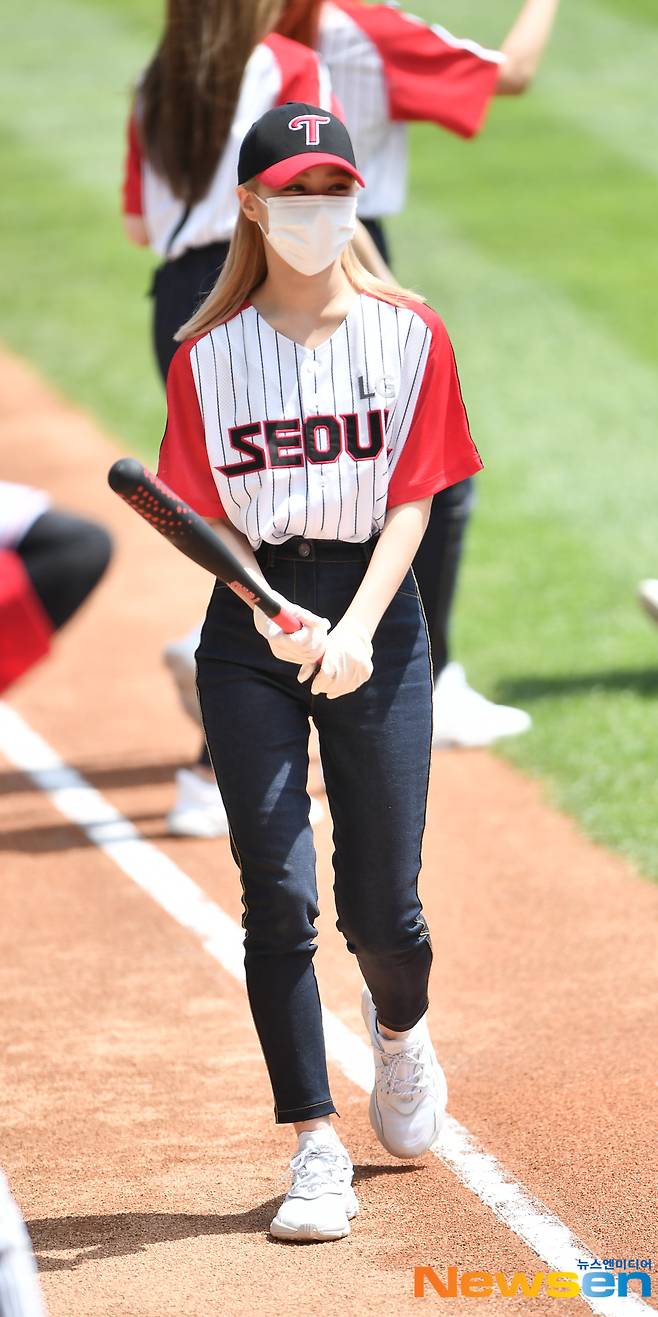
312 1177
403 1073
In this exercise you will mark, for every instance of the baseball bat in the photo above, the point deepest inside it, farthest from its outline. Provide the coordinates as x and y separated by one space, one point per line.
147 495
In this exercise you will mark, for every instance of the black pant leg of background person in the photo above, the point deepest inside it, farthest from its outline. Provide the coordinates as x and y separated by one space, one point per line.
377 233
65 557
179 286
436 565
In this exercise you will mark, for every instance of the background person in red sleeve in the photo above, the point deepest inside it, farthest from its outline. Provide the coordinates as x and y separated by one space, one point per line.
50 561
388 69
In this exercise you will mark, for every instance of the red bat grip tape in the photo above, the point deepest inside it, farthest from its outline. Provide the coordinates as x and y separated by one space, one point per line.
287 621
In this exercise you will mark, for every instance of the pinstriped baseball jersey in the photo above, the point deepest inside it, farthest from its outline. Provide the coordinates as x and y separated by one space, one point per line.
277 71
286 440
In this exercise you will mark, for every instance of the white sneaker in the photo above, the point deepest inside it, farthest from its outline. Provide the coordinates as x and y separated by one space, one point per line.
179 658
464 717
198 809
316 812
408 1102
648 595
321 1202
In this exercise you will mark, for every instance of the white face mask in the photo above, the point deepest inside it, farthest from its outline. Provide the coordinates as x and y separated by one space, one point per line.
310 232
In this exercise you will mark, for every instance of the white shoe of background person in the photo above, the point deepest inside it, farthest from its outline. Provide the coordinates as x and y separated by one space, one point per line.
464 717
647 593
179 658
321 1202
198 810
408 1102
316 812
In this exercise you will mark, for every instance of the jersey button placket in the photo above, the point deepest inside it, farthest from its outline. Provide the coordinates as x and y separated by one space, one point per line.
310 370
309 382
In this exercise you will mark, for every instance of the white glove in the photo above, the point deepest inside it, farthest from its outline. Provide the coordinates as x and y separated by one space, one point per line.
346 663
304 646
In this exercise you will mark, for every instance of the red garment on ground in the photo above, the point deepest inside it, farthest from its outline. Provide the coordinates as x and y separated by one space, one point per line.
25 628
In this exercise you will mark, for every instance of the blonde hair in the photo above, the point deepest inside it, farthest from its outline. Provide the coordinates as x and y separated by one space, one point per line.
246 268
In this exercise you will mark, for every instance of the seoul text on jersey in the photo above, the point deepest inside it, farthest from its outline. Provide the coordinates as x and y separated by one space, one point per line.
317 440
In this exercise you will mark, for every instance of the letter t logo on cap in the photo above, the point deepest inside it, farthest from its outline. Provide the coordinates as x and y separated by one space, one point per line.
311 122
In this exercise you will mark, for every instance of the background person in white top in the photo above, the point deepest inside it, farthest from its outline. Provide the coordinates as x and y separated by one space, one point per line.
312 414
388 69
218 66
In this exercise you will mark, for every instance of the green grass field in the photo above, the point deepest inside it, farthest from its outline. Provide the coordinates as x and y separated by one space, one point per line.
537 244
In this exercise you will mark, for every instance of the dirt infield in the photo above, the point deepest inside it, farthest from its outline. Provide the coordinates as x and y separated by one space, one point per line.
137 1128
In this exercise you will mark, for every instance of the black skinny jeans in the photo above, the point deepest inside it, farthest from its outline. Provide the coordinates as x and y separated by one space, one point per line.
178 288
375 749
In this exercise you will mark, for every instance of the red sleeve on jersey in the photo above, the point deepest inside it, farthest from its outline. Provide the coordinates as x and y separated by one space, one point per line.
183 462
438 450
429 78
300 72
132 173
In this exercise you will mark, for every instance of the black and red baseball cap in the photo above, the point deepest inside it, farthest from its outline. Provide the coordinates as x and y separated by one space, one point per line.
291 138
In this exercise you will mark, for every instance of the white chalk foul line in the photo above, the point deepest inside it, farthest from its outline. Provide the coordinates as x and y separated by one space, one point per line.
172 889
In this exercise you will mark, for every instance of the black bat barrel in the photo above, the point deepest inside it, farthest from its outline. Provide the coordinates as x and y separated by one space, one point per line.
125 475
169 515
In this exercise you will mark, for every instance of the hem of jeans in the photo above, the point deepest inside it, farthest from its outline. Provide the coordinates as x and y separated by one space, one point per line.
296 1114
404 1028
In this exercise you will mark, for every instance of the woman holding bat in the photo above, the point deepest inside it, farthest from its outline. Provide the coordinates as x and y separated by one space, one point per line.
218 66
312 413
